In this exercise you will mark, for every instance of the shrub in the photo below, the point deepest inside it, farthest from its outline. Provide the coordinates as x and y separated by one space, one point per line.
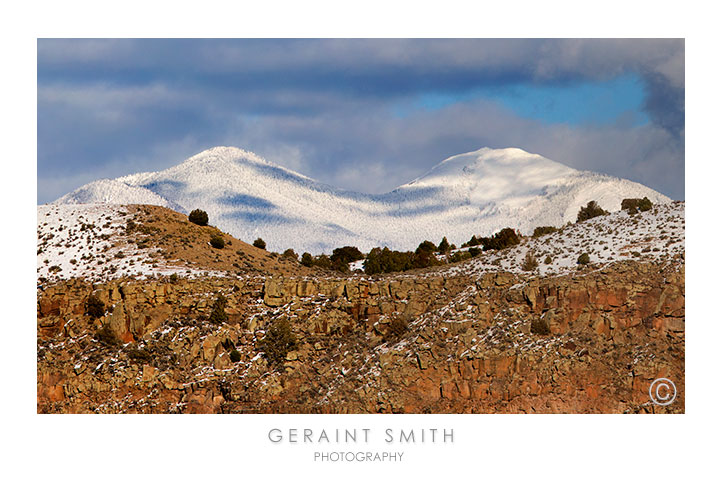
338 263
628 204
95 306
590 210
217 241
529 264
459 256
426 247
548 260
277 342
307 260
506 237
235 356
645 204
173 278
259 243
218 314
383 260
198 217
544 230
540 327
583 259
473 242
635 205
424 260
340 266
474 251
346 254
387 261
323 261
443 246
290 254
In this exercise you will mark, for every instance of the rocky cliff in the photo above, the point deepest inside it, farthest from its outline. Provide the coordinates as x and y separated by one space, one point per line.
587 342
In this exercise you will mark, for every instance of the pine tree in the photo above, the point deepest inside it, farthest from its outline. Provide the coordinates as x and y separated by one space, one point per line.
198 217
259 243
443 246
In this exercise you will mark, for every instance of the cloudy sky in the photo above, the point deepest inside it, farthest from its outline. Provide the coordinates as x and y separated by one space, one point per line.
366 115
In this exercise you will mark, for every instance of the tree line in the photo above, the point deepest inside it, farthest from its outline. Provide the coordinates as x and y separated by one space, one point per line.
427 254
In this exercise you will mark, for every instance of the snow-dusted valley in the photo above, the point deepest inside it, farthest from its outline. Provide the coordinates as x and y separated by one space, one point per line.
479 192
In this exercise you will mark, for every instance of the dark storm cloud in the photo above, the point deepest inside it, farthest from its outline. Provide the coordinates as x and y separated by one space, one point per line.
665 103
325 107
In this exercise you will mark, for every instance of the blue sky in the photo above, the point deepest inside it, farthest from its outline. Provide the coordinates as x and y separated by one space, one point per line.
365 115
580 103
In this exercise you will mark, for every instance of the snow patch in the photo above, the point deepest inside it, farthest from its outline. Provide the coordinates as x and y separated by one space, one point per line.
86 241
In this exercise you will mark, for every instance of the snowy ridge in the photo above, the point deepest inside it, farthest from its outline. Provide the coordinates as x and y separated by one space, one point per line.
656 235
474 193
107 191
86 241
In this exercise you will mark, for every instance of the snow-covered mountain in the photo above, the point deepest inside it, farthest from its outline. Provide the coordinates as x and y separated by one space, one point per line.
478 193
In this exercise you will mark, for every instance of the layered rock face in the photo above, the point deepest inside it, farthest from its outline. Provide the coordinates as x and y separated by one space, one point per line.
405 343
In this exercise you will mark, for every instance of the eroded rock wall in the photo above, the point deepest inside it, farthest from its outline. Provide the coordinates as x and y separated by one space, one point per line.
467 345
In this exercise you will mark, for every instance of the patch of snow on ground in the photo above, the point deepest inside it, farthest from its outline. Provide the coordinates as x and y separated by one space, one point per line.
658 234
86 241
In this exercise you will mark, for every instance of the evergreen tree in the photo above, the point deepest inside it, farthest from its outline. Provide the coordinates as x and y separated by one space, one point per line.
590 210
443 246
426 247
346 254
289 253
198 217
259 243
307 260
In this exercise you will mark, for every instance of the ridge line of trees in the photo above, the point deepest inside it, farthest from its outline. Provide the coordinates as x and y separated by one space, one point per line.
385 260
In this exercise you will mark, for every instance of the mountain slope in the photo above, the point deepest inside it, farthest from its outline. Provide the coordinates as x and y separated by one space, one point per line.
100 242
475 193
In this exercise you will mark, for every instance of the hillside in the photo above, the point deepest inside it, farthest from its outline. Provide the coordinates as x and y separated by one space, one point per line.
475 193
654 236
477 336
100 242
104 242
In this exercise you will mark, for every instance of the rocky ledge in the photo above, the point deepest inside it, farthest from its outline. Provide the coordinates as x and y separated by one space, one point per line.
589 342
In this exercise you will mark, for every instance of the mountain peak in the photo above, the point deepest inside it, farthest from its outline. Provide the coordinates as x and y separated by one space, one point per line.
479 192
494 173
227 153
510 155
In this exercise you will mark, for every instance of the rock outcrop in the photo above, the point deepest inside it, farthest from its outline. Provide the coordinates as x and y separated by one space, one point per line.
403 343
